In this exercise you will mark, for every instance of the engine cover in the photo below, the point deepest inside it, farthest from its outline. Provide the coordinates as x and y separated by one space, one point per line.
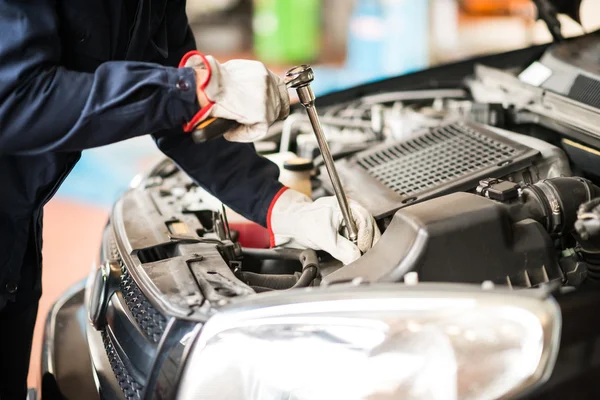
429 164
460 237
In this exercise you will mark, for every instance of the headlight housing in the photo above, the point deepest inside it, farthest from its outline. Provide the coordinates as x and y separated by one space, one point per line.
379 342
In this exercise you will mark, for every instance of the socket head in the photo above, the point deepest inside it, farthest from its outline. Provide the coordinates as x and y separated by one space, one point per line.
299 76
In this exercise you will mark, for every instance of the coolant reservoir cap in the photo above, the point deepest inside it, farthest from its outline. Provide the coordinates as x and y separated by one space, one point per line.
298 164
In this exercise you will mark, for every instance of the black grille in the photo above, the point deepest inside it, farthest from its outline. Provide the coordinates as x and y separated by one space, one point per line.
148 318
444 156
586 90
131 389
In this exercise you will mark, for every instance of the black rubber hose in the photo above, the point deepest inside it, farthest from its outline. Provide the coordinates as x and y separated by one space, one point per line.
275 282
571 194
308 258
310 268
273 254
554 202
307 277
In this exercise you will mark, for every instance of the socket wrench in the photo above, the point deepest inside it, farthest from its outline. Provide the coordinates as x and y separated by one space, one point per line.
299 78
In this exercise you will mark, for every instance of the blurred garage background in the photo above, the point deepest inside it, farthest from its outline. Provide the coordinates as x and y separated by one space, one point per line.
348 42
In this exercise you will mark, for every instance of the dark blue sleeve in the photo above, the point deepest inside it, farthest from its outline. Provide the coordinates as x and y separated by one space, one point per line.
232 172
180 37
45 107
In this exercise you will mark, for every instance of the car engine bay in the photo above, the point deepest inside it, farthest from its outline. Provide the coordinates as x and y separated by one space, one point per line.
466 184
482 172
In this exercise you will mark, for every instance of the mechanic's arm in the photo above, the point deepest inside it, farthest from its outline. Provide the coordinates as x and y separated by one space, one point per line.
247 92
232 172
45 107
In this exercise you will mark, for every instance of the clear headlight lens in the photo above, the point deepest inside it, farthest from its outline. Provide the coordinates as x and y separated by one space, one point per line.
427 342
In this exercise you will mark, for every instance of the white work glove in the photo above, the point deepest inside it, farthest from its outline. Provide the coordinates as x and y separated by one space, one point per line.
296 221
240 90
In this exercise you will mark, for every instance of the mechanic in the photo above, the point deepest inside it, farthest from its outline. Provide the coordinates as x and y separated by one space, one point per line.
80 74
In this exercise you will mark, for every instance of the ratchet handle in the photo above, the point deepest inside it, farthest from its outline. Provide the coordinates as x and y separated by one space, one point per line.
212 128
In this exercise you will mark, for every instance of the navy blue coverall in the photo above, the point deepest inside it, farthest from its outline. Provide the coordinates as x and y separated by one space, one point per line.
76 74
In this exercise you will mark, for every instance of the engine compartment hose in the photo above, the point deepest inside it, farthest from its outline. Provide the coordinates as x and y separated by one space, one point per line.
310 268
308 259
270 282
555 202
308 276
273 254
591 257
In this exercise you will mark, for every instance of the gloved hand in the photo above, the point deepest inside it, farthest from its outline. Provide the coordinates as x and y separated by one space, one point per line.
241 90
296 221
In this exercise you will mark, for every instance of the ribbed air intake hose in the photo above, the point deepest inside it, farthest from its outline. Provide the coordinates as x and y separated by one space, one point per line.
554 202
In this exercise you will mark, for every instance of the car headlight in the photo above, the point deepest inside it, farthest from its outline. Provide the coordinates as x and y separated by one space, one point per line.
379 342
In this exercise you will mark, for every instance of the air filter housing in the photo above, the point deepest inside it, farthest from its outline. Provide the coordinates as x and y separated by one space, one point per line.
586 90
431 163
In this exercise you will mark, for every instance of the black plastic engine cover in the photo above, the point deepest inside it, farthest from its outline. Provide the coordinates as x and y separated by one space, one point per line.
460 237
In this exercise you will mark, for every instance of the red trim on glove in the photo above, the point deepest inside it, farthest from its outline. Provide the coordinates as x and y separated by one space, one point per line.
271 234
189 127
186 57
196 119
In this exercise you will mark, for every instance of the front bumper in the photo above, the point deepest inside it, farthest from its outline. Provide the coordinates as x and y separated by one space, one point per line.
67 370
70 344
